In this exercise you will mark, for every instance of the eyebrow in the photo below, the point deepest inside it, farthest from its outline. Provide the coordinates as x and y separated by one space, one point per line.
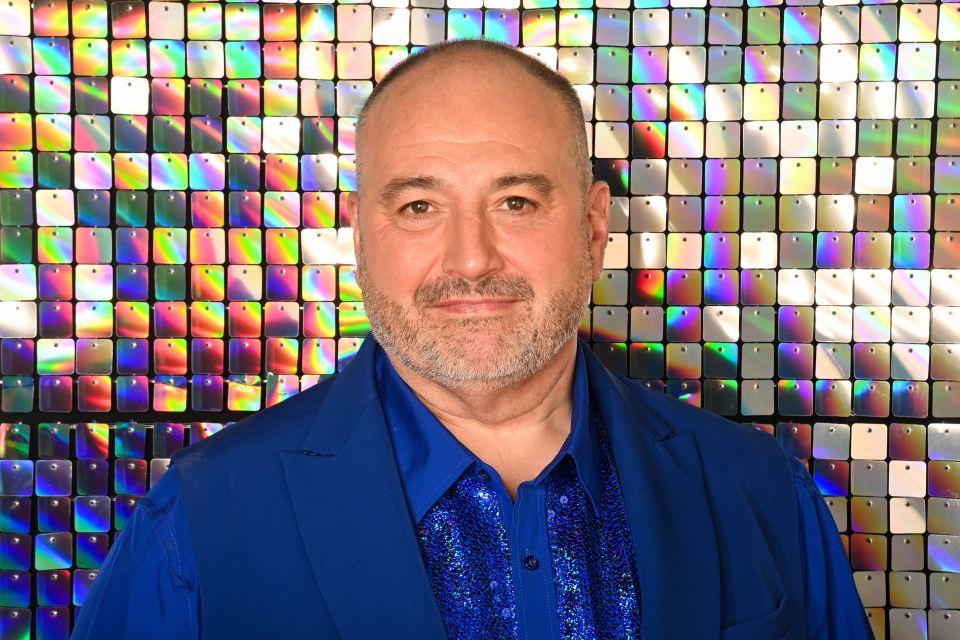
538 181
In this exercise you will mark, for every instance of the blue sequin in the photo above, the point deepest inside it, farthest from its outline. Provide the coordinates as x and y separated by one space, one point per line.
594 569
466 552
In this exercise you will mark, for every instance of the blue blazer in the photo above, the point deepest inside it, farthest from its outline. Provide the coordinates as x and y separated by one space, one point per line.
300 528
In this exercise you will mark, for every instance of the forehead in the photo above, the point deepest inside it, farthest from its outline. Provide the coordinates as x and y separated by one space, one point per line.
462 113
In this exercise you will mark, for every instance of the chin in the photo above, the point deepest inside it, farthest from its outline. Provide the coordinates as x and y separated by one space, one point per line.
472 351
486 360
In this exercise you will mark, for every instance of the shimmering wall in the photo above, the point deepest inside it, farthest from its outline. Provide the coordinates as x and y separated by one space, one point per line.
785 246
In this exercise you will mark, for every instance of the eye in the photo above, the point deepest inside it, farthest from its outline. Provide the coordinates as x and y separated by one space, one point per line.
418 207
517 203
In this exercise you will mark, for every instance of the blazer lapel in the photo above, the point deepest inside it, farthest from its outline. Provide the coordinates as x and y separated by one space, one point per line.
668 510
353 516
355 524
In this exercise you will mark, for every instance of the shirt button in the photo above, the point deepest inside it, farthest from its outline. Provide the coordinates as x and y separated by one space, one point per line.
531 562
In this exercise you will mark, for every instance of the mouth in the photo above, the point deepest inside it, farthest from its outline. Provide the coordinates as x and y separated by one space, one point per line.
475 305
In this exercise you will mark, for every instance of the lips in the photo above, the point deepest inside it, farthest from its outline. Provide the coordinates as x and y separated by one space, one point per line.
459 301
467 305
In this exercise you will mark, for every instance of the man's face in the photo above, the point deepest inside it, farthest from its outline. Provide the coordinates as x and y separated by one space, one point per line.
475 247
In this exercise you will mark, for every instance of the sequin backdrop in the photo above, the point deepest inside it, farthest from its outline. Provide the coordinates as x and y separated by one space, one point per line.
785 246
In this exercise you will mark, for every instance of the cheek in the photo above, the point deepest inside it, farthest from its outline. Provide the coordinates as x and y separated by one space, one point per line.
547 257
397 267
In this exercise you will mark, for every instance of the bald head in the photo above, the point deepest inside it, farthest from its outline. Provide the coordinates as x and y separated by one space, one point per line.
429 67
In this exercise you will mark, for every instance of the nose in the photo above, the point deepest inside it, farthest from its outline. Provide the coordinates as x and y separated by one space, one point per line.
471 250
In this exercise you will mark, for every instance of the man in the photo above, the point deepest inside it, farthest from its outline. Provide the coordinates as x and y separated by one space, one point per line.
475 472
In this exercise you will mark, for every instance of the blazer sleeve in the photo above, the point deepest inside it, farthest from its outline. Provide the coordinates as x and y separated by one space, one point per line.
146 587
834 608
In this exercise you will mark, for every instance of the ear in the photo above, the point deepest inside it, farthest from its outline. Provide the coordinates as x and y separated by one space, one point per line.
598 223
353 211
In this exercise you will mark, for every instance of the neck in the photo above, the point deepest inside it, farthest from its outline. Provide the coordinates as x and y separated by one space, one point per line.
539 404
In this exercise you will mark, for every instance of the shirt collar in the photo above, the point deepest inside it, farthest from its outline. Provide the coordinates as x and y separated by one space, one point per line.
431 459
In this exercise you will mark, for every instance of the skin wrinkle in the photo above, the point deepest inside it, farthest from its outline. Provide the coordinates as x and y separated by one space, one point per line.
573 150
541 183
500 380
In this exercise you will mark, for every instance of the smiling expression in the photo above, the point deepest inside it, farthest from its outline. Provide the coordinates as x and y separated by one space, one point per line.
476 246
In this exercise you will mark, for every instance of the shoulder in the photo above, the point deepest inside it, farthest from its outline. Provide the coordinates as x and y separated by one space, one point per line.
162 497
726 447
274 429
803 481
162 511
708 427
147 584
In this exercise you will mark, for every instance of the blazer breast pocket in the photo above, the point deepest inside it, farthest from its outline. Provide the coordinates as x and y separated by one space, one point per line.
770 626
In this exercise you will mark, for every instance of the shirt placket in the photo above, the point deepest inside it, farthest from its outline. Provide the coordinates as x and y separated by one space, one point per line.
533 577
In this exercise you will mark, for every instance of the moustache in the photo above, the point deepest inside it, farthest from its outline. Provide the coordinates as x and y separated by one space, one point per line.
435 292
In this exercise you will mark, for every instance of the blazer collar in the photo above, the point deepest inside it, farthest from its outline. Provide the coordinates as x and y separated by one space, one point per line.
353 516
372 576
669 512
353 388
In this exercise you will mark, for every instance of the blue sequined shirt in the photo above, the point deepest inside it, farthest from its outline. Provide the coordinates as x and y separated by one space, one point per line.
557 563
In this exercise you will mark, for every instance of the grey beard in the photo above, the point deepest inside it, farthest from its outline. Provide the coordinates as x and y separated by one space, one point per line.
442 354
